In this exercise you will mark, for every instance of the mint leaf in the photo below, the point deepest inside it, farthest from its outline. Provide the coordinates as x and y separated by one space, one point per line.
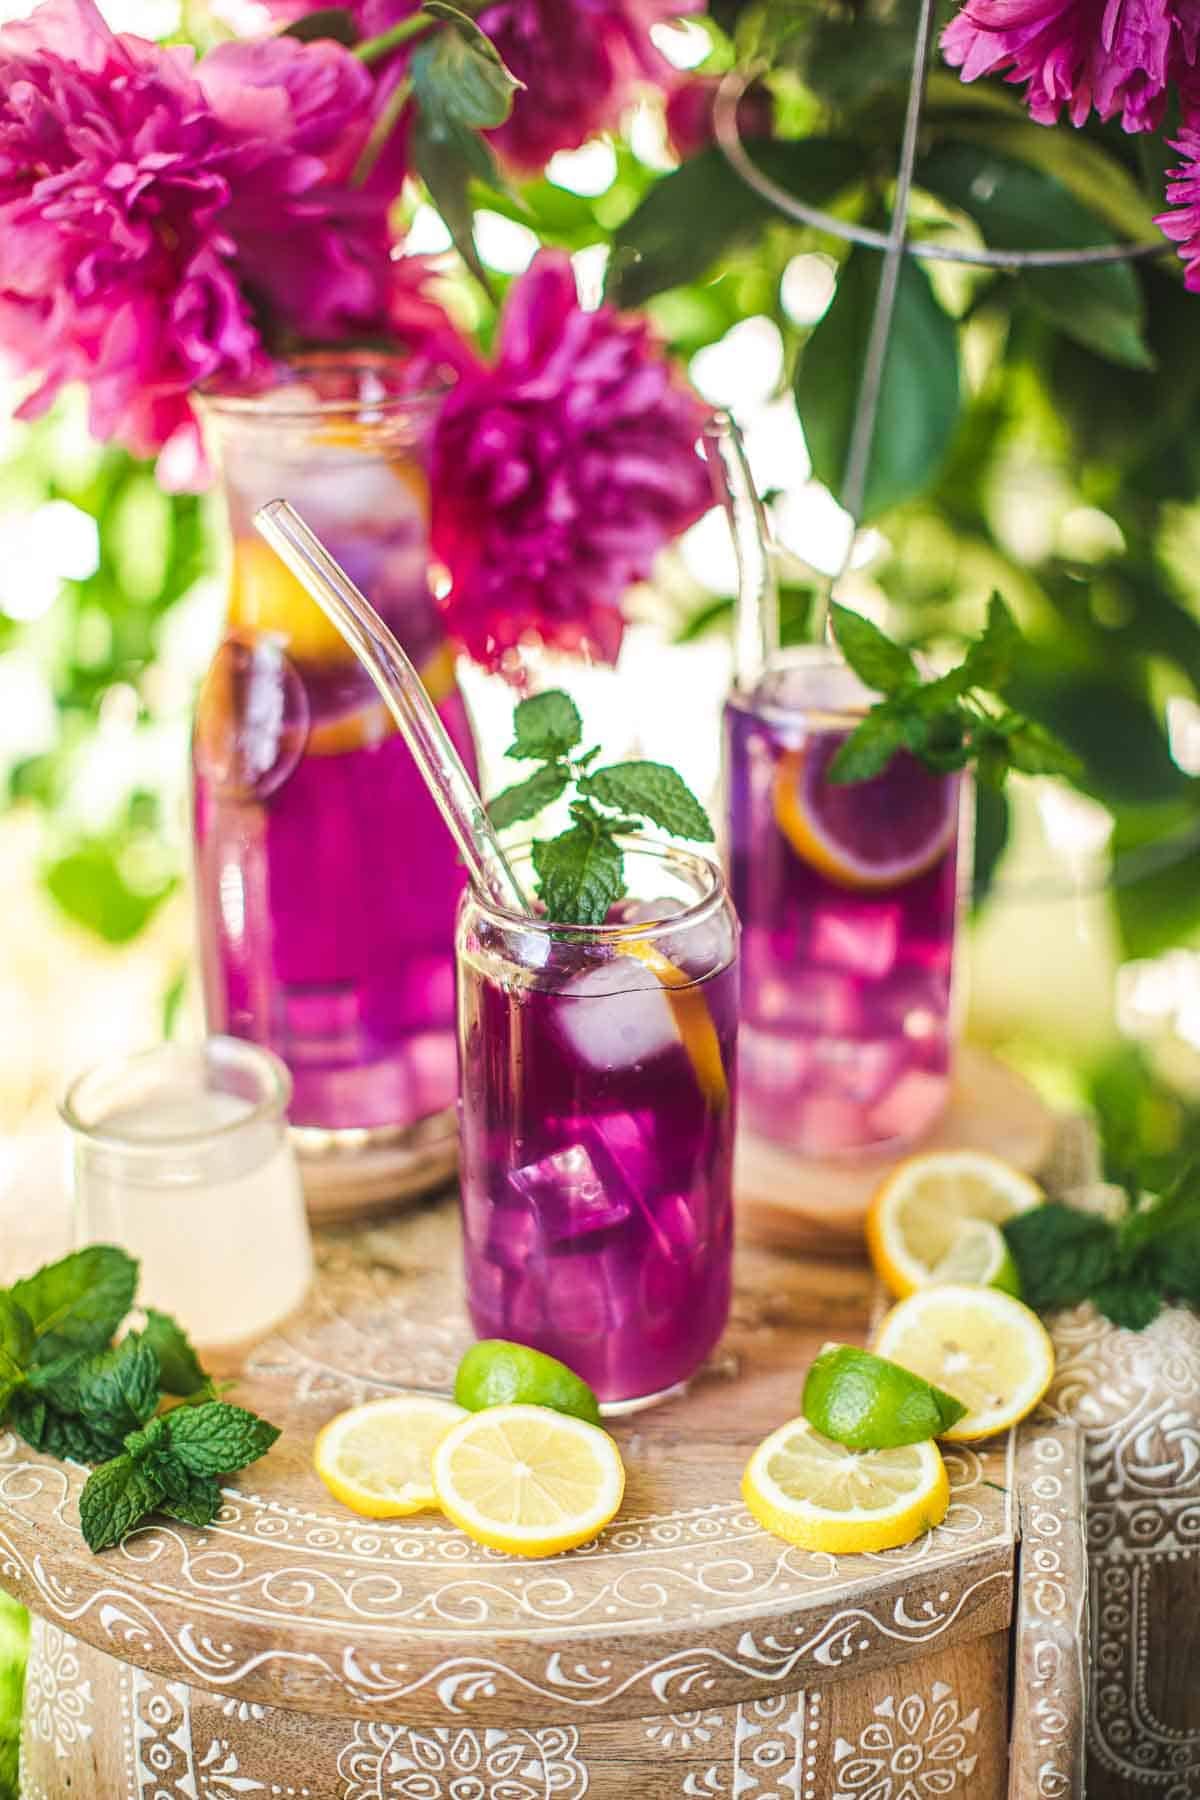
115 1390
654 791
217 1438
580 873
17 1335
1062 1256
526 799
879 664
1129 1300
1035 751
545 726
869 748
196 1500
149 1440
991 659
180 1371
78 1302
118 1495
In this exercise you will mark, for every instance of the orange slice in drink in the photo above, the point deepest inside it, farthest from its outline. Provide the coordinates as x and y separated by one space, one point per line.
266 597
693 1020
864 834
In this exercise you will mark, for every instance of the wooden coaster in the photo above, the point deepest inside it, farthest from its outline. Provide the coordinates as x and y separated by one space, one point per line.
789 1203
358 1175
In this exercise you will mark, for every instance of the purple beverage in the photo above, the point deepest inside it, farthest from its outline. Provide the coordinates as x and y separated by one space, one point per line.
598 1083
848 897
327 883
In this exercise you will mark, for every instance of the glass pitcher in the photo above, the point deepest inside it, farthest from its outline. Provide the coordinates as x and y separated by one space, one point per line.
326 883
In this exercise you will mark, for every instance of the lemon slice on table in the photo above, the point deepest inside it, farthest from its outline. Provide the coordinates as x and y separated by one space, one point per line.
376 1459
693 1020
870 834
916 1215
991 1351
823 1496
528 1480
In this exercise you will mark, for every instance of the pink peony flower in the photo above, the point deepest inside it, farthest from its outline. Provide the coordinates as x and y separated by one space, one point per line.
1183 192
1113 55
690 114
581 62
144 198
560 472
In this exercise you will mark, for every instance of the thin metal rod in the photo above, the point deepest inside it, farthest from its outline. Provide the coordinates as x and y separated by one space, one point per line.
725 127
862 436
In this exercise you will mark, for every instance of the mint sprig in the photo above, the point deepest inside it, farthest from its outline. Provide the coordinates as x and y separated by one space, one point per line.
582 871
948 720
69 1391
1128 1267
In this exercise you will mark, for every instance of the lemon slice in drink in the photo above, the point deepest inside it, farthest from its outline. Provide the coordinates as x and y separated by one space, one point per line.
528 1480
266 597
376 1459
916 1215
693 1020
978 1257
821 1495
865 834
988 1349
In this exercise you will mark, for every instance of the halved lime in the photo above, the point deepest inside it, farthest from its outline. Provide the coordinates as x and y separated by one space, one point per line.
868 1403
497 1373
978 1257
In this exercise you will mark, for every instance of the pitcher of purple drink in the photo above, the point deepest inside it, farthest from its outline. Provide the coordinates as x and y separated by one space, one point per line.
326 884
598 1085
848 893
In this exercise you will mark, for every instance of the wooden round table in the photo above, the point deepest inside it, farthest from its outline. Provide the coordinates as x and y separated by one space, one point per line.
293 1649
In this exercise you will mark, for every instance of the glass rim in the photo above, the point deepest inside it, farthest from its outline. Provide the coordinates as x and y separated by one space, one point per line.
800 656
272 1104
694 913
262 403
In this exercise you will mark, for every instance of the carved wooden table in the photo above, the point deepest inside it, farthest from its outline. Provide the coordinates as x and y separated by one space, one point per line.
294 1650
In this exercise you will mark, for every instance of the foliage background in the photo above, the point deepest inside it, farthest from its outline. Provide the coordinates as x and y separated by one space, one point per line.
1038 434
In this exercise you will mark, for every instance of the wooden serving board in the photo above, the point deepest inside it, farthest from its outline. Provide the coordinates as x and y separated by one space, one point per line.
821 1206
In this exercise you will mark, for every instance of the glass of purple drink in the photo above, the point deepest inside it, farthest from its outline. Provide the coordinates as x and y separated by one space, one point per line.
598 1086
326 884
849 900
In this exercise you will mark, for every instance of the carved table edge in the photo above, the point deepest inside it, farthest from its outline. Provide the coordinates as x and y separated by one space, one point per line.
1050 1648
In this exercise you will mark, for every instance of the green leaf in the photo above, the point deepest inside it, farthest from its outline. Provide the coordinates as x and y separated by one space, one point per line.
919 393
545 726
62 1434
78 1302
90 887
992 656
218 1439
446 157
1062 1256
1129 1300
869 748
698 214
654 791
526 799
17 1335
150 1439
1017 208
459 77
1035 751
180 1371
117 1497
195 1499
880 664
329 22
113 1391
580 874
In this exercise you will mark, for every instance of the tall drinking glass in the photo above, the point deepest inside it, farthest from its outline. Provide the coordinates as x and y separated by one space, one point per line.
849 900
326 882
182 1157
598 1086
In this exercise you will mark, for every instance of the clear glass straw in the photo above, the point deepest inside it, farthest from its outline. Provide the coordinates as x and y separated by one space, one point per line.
403 693
756 608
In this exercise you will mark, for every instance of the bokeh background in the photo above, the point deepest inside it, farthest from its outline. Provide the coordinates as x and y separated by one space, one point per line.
1061 466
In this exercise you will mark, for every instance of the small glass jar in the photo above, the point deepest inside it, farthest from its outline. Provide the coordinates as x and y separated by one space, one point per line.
182 1157
598 1080
849 897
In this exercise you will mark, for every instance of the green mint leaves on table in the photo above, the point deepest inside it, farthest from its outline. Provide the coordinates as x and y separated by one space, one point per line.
1128 1267
581 872
948 720
68 1390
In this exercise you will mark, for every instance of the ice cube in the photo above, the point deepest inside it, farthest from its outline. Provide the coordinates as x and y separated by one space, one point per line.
859 936
823 1003
858 1070
568 1196
616 1015
774 1066
664 1286
513 1238
676 1235
581 1298
827 1124
910 1107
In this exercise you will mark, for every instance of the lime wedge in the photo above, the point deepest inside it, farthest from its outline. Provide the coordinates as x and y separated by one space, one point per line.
867 1403
497 1373
978 1257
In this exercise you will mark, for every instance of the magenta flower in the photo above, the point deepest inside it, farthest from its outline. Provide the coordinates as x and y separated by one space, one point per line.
1113 55
144 197
559 473
1183 192
581 62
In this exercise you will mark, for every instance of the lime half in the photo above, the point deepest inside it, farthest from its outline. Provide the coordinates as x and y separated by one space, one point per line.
867 1403
978 1257
497 1373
